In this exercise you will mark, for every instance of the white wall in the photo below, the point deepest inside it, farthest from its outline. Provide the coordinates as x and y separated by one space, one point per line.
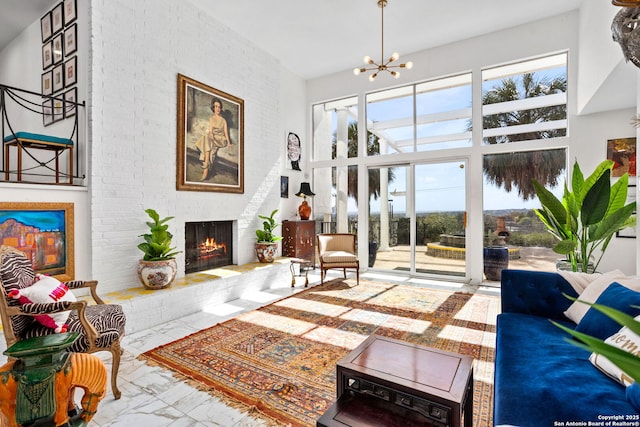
293 120
602 69
587 134
136 51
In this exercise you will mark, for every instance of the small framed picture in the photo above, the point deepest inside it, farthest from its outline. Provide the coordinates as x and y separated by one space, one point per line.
622 151
70 70
45 27
47 55
57 49
70 99
58 109
284 187
47 112
70 40
56 19
47 83
70 13
58 77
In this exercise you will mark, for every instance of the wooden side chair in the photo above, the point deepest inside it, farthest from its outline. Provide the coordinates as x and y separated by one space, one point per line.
101 326
338 250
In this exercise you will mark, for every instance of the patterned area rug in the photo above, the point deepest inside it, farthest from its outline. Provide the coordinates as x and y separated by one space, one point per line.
281 359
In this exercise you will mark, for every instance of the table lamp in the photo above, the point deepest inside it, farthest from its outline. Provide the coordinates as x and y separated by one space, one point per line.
304 210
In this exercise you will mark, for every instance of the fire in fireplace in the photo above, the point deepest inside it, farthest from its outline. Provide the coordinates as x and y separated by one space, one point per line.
209 244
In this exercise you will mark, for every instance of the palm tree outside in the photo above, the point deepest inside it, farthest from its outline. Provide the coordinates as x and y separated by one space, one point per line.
373 149
515 171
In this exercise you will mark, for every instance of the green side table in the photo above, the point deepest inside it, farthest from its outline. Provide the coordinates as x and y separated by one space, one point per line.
39 360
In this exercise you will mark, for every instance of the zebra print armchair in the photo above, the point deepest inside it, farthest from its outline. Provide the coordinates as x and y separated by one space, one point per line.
101 326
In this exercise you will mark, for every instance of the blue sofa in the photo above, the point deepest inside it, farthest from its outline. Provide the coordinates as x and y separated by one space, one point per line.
541 379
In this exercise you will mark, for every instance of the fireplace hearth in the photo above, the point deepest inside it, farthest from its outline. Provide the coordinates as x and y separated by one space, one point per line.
209 244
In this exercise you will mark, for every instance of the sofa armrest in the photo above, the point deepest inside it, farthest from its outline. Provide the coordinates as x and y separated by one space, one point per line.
537 293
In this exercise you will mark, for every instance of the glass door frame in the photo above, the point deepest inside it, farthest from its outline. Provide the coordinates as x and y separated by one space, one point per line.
411 214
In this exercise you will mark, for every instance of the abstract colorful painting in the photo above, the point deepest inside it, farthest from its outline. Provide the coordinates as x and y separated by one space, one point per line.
44 232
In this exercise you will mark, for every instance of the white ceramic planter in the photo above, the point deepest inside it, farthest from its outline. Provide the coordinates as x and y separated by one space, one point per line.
157 274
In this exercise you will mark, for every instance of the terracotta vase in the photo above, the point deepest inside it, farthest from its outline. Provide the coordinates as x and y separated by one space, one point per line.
304 210
157 274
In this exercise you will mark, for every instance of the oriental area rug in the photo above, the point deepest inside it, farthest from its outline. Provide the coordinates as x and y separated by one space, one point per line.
280 361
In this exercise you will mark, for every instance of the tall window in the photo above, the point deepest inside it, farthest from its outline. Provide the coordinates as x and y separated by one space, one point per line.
415 127
335 129
428 116
525 101
335 138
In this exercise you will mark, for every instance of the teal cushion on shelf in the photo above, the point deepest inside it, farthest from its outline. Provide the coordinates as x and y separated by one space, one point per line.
616 296
38 137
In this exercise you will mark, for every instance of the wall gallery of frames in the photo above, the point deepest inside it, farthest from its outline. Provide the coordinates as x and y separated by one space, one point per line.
59 61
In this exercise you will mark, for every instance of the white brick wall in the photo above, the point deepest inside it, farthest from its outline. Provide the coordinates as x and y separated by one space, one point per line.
137 51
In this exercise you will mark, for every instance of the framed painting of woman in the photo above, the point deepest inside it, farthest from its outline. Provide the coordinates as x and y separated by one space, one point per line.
210 139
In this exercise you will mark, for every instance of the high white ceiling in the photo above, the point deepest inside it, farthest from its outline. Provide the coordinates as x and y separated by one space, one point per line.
16 15
320 37
316 38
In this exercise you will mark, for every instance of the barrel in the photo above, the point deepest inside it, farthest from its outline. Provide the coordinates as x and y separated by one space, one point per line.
496 259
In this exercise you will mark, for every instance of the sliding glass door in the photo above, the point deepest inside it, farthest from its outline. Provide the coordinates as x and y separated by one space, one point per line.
417 218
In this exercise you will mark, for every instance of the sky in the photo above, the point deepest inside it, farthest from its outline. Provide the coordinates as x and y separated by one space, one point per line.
440 186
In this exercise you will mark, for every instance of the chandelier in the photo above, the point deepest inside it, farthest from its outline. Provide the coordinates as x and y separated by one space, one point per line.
383 66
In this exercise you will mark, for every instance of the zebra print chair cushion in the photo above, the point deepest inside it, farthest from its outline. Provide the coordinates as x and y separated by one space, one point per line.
17 273
108 319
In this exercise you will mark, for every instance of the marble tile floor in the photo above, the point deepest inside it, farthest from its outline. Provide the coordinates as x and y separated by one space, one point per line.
152 397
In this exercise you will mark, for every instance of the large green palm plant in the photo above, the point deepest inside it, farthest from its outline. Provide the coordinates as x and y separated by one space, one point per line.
588 215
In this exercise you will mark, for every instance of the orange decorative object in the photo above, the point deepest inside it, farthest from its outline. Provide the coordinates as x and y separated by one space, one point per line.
304 210
40 384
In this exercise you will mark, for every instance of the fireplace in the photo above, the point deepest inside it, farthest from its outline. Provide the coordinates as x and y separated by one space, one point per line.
209 244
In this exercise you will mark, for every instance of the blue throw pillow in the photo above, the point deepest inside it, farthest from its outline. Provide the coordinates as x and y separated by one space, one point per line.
633 396
616 296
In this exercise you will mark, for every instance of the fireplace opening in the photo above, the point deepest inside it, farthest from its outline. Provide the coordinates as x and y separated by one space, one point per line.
209 244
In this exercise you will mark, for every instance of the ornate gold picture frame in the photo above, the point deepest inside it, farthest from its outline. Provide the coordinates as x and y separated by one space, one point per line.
44 232
210 146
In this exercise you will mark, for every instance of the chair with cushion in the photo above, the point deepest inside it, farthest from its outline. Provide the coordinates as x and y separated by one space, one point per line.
338 250
101 326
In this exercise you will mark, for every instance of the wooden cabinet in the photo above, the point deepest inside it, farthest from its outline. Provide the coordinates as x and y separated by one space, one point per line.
299 240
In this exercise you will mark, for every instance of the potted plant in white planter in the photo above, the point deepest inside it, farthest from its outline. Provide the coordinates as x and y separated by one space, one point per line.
267 243
588 215
158 267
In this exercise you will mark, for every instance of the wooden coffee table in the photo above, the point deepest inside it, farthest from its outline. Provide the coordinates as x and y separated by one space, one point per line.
387 382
